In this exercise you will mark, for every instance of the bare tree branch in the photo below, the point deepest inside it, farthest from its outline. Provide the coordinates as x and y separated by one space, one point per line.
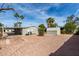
6 9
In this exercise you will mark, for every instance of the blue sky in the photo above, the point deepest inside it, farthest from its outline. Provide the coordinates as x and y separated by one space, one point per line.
37 13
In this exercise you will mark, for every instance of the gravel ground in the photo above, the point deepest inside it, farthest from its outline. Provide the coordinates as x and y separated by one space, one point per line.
32 45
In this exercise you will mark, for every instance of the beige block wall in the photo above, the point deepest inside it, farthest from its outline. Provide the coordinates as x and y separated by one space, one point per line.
54 31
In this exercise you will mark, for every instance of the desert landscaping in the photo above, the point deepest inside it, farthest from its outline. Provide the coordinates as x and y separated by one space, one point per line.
32 45
25 30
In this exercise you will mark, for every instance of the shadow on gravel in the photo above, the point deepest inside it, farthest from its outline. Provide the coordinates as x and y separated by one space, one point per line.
69 48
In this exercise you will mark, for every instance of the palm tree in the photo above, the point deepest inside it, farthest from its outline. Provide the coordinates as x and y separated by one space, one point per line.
22 17
50 22
19 17
16 15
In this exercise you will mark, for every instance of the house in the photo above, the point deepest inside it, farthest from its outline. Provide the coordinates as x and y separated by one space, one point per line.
53 31
8 29
32 30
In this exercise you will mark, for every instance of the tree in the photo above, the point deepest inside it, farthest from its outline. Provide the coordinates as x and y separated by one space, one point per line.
1 9
51 22
41 29
17 24
70 18
77 20
42 26
19 17
22 17
1 25
77 23
16 15
70 25
7 8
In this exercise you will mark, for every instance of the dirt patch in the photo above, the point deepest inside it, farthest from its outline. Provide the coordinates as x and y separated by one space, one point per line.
32 45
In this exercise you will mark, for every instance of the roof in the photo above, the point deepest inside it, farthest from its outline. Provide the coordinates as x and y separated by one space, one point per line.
57 28
18 27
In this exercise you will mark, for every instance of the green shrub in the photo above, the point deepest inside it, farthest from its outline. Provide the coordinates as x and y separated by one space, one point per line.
41 30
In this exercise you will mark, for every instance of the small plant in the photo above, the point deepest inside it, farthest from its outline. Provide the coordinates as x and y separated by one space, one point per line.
41 30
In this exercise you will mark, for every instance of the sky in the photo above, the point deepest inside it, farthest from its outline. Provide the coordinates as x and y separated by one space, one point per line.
37 13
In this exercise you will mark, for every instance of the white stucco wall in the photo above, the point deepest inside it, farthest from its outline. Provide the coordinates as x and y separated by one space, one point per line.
8 30
34 30
54 31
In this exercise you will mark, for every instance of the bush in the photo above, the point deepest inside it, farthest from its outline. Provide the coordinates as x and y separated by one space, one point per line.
69 28
41 30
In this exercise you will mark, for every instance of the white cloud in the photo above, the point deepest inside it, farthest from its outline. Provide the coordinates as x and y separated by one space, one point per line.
77 12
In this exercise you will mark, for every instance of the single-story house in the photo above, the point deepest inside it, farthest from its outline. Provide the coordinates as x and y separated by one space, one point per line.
8 29
31 30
